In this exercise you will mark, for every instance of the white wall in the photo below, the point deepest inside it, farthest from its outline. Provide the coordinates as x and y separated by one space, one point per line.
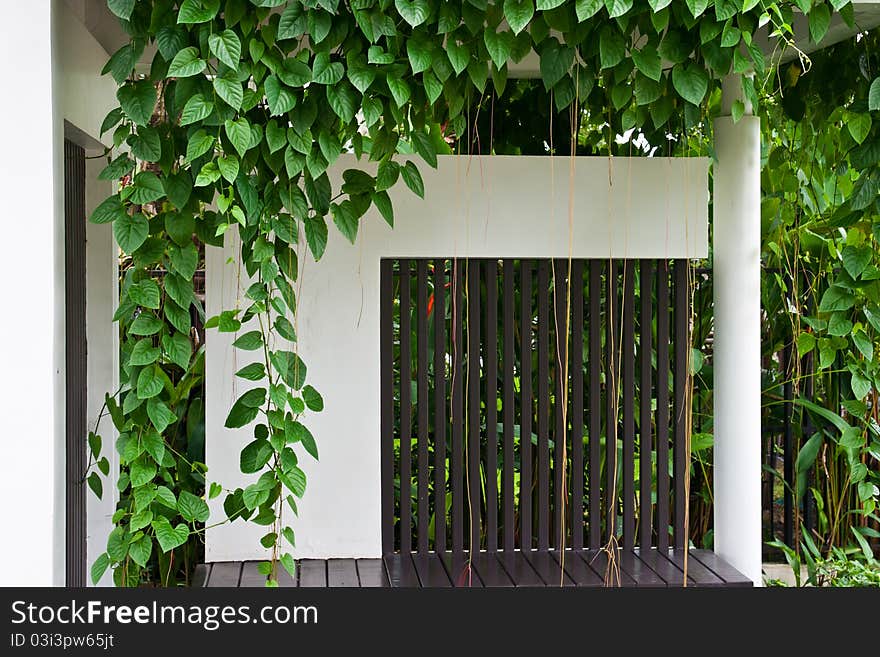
53 65
474 207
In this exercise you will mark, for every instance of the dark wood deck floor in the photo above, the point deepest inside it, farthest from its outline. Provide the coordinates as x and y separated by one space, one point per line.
585 568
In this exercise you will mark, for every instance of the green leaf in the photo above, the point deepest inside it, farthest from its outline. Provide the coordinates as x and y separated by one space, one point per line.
291 368
874 95
836 299
316 235
142 472
618 8
149 383
820 20
186 63
586 9
361 77
145 324
281 99
285 328
239 133
856 259
383 204
192 508
197 11
100 567
255 456
226 47
199 144
110 209
294 73
252 372
343 100
648 61
154 444
519 12
184 259
697 7
859 126
420 51
288 563
246 408
546 5
229 167
121 8
399 89
250 341
287 532
414 12
325 72
169 537
141 549
864 345
691 82
612 47
145 145
860 387
179 349
138 100
345 219
313 399
230 91
147 188
413 179
94 481
145 293
130 231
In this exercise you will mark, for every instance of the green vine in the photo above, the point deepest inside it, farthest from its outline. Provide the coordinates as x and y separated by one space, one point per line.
245 106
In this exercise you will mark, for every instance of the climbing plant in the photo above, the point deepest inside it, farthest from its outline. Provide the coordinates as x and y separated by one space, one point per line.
230 127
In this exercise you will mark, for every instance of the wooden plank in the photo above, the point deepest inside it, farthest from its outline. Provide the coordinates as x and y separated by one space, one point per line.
459 569
371 573
251 577
663 405
595 407
400 571
576 503
641 573
628 391
405 391
699 574
455 471
490 570
612 380
490 376
663 567
681 347
548 568
440 411
575 567
342 573
611 577
386 354
312 573
525 441
730 575
225 574
201 574
562 360
285 581
473 384
430 569
646 473
422 405
507 494
518 568
543 507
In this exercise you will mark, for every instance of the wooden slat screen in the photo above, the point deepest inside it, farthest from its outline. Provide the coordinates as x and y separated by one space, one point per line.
478 353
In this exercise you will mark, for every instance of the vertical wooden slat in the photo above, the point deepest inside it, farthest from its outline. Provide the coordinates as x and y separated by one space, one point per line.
507 494
386 354
576 500
456 474
663 405
525 440
405 409
561 362
612 321
422 403
628 394
473 383
595 400
646 283
681 346
491 378
440 405
543 404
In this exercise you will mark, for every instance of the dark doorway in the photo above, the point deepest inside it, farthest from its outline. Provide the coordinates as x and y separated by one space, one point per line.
76 361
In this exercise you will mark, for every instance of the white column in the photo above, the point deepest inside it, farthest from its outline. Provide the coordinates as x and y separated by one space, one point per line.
737 350
32 330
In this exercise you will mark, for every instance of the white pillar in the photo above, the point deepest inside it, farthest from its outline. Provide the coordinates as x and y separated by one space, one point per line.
737 349
32 332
